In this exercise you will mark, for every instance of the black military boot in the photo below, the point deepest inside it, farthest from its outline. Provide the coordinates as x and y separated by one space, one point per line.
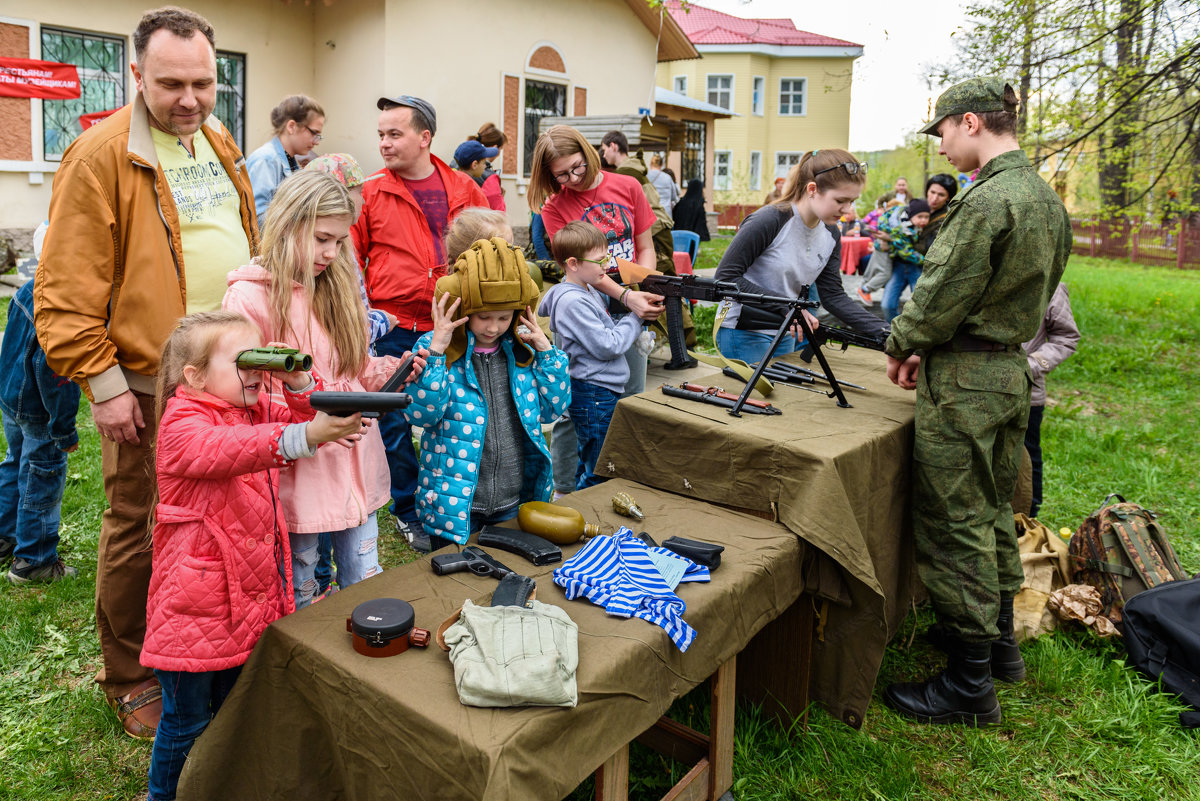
962 693
1007 664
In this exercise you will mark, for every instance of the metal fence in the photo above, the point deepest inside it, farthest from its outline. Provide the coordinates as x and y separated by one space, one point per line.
1174 245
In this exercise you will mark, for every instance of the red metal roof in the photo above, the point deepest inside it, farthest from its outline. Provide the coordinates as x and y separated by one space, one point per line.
705 26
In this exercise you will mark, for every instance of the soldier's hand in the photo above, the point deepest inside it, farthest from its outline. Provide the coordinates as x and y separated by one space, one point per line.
904 373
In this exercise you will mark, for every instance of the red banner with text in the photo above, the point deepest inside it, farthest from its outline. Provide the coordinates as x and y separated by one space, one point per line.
88 120
49 80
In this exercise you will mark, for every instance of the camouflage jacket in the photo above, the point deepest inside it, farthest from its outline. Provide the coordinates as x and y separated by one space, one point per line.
994 265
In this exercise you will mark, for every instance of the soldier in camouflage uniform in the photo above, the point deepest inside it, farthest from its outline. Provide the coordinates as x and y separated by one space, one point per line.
988 277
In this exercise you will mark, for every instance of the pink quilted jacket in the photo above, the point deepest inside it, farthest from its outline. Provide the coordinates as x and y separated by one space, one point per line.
222 565
339 487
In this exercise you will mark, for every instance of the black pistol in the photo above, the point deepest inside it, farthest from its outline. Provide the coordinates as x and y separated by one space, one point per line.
370 404
471 558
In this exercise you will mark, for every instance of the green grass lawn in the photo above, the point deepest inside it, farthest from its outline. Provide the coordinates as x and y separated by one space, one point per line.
1122 417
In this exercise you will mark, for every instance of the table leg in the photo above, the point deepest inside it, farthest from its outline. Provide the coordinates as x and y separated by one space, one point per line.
720 747
612 778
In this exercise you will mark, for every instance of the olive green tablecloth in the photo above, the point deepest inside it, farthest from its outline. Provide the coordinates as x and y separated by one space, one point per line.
838 478
312 719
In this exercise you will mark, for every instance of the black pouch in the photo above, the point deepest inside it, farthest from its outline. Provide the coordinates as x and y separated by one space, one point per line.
1159 628
753 318
702 553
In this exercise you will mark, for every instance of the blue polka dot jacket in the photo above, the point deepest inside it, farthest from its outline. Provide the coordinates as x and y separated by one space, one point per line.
448 405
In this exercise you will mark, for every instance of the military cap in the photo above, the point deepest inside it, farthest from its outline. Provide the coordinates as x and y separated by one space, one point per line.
977 95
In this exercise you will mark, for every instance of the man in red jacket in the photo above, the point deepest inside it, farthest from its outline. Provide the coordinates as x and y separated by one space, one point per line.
400 241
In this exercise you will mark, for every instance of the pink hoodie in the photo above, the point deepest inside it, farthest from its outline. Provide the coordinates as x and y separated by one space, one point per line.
339 487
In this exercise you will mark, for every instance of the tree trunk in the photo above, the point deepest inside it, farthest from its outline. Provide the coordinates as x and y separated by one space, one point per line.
1116 147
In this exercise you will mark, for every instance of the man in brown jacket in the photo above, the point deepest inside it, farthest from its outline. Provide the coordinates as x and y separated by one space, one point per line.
146 217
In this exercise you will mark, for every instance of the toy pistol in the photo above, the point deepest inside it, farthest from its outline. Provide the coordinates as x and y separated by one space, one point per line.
283 360
471 558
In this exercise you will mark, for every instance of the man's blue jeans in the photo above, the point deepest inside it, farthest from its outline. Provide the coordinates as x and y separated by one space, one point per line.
904 274
189 701
397 435
591 411
32 478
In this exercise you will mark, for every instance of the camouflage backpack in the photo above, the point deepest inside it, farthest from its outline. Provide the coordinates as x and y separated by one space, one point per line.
1121 550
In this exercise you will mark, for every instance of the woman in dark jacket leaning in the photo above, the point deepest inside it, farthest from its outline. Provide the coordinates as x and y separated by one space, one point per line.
689 213
788 245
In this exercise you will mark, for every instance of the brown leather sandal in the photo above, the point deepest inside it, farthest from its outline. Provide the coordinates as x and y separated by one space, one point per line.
140 709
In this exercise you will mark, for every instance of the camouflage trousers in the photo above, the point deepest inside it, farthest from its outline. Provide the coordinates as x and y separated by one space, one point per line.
971 413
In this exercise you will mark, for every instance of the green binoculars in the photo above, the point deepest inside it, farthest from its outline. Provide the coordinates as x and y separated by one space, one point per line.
284 360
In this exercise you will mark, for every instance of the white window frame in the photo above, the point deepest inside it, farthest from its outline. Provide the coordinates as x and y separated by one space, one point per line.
722 183
758 96
756 169
85 74
681 85
708 92
787 154
791 93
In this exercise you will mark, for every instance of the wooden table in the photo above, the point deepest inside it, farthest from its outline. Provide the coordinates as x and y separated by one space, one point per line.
837 478
312 719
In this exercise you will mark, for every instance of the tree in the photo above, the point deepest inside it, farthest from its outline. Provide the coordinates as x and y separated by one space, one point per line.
1117 78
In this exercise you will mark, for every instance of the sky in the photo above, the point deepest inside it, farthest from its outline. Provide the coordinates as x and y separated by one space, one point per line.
900 41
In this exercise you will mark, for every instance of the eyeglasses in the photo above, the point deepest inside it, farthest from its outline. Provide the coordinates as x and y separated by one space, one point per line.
602 262
577 172
851 168
316 135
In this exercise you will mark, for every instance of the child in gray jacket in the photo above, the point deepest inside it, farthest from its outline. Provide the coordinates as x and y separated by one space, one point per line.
594 343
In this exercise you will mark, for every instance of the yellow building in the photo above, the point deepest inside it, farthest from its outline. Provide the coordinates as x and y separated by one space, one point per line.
519 61
790 90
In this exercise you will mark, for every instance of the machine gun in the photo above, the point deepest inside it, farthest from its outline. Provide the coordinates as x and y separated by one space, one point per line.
845 337
694 288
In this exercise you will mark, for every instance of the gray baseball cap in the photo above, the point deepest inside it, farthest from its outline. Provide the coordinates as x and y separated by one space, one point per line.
977 95
417 103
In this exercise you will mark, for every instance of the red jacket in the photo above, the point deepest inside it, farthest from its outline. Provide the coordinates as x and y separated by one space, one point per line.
395 248
222 562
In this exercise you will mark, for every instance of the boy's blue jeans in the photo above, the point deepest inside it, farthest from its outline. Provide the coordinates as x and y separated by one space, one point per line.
904 274
32 478
591 411
189 701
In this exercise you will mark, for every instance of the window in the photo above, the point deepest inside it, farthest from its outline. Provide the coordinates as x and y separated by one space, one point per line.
541 100
101 63
720 91
755 169
681 84
791 96
721 180
231 94
691 166
784 163
758 99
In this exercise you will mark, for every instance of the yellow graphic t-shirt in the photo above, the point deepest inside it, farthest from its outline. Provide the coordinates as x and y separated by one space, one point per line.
210 219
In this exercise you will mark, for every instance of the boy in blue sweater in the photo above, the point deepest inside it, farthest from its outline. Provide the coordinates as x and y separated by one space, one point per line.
595 344
39 425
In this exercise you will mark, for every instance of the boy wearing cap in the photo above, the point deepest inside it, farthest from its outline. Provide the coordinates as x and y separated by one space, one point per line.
399 241
988 278
472 158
